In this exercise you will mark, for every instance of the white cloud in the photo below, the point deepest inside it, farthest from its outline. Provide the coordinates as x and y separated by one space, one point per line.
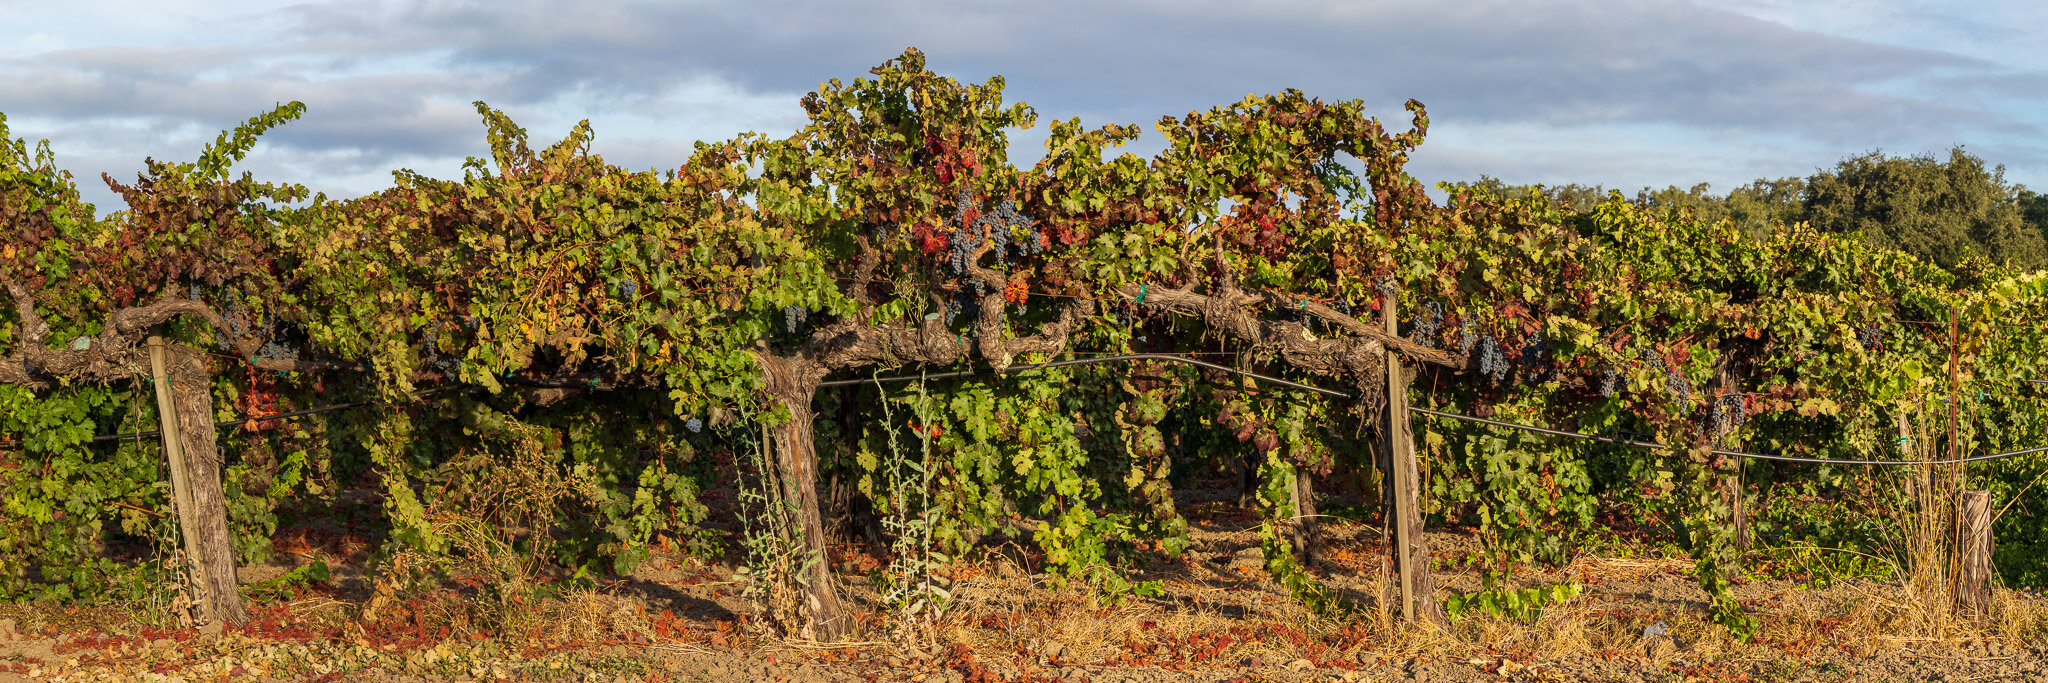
1662 91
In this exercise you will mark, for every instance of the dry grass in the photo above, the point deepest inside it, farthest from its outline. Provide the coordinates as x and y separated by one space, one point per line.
1015 620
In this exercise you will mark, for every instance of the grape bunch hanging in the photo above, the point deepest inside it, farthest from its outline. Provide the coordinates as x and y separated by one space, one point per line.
1492 363
1428 321
794 317
997 227
1532 360
1674 381
1387 288
1726 413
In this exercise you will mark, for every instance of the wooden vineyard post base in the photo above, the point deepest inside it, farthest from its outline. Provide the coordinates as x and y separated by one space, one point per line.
185 406
1404 518
1973 548
181 485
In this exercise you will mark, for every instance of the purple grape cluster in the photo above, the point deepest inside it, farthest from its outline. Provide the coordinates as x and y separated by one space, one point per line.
1428 321
628 289
436 357
1532 359
1726 414
1871 337
693 424
1674 381
1467 337
793 316
1492 363
1387 287
962 245
963 303
997 226
1609 382
276 348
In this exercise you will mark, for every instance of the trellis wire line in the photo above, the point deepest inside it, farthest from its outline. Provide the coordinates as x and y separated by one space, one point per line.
1199 363
16 443
1737 454
1091 361
1426 411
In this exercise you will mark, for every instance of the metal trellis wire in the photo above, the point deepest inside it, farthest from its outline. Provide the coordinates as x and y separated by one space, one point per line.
1189 361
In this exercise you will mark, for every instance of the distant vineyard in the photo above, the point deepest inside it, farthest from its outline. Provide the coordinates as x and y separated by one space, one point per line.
554 358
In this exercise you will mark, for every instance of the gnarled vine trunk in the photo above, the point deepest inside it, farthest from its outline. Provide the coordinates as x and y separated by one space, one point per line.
1306 533
794 382
118 352
204 511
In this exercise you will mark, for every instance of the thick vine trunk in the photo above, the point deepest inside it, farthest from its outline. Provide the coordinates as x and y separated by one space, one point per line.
204 512
1738 509
1306 534
795 383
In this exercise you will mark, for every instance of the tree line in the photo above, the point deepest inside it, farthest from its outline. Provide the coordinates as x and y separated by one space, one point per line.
1946 211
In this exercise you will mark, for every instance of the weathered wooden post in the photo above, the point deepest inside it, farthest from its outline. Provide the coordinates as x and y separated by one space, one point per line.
196 490
1404 523
181 485
1973 548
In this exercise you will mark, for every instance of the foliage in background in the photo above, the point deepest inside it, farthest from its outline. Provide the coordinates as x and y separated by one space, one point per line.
616 326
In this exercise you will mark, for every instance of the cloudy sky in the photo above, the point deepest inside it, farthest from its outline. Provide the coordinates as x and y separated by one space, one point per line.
1624 94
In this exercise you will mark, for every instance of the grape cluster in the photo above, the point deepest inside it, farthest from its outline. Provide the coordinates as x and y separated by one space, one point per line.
963 302
1726 414
1387 287
878 230
1341 306
1871 337
695 425
1466 338
1492 362
962 245
1531 357
628 288
1006 221
434 356
279 349
963 201
238 322
1428 320
792 316
1609 382
997 226
1674 382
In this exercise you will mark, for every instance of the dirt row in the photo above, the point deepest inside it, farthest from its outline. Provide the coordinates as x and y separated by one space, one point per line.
1640 617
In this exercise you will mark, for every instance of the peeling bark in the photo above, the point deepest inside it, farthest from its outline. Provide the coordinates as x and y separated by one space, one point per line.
795 383
192 391
118 352
793 377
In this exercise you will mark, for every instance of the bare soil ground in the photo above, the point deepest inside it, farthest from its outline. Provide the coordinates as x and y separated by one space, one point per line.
1221 619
